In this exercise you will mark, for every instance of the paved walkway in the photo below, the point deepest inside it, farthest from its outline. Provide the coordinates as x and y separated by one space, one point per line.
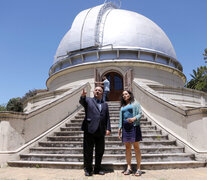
10 173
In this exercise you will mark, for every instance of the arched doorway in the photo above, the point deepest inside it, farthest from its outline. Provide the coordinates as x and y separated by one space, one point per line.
116 85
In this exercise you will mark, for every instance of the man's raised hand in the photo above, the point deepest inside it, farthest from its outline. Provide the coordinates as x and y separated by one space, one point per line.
83 92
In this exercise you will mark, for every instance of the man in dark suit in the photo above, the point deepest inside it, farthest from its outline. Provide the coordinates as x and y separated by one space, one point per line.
96 125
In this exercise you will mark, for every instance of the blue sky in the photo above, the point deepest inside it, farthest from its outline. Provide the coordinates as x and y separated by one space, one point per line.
30 32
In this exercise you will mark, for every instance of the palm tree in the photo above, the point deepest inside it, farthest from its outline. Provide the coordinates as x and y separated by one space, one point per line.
199 79
205 55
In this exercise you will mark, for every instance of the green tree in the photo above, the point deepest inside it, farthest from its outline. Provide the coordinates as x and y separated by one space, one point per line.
29 94
199 79
15 104
2 108
205 55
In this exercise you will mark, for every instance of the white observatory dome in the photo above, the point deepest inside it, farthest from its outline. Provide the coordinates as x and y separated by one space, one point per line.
103 28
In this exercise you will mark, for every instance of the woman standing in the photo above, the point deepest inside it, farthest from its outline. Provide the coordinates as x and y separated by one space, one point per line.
129 127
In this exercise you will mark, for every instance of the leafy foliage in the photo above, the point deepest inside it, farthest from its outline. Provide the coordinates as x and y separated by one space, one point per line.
199 79
205 54
2 108
15 104
29 94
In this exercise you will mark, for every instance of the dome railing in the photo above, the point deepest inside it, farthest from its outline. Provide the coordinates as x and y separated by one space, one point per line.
93 54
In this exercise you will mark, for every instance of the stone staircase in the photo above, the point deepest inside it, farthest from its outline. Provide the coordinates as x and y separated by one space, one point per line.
63 149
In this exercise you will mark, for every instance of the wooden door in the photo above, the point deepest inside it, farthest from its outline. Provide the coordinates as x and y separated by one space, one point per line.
116 86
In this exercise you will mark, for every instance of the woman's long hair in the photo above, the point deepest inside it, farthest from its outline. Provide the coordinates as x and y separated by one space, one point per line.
131 99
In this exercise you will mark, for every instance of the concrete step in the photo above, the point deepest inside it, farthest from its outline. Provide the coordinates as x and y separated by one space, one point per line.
113 113
108 165
112 116
108 150
111 110
80 133
158 144
117 104
109 138
112 120
114 108
113 128
107 157
113 123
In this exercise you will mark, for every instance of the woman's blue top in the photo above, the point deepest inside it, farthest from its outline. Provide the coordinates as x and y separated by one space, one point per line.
137 112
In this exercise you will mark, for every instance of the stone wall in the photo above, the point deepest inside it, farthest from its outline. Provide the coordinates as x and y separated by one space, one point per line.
188 125
17 130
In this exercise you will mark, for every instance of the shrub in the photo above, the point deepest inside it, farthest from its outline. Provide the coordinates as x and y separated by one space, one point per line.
29 94
2 108
15 104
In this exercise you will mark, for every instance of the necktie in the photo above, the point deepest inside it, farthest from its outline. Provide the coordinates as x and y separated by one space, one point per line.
99 104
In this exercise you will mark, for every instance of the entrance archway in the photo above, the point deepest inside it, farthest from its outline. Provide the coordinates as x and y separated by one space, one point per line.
116 85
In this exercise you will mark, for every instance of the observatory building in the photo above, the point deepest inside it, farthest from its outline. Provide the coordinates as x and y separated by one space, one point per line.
119 44
134 53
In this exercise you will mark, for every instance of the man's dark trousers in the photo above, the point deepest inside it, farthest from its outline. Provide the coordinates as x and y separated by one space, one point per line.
90 140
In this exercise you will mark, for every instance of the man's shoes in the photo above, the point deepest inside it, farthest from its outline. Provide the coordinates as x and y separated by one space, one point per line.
88 173
100 172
